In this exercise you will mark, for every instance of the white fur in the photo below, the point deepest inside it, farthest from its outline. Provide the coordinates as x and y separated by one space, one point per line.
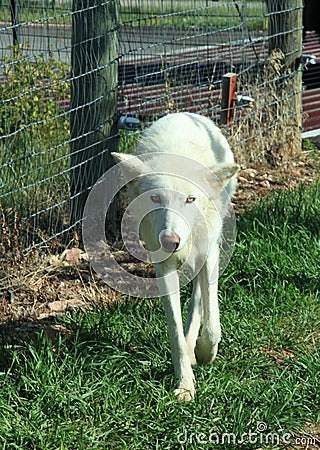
197 138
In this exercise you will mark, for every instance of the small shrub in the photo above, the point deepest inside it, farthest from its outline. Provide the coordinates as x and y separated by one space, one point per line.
31 96
34 143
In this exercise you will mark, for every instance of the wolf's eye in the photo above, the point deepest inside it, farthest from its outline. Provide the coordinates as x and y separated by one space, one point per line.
190 199
155 198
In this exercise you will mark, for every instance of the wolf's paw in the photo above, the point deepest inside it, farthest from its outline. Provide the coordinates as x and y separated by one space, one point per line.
205 351
184 394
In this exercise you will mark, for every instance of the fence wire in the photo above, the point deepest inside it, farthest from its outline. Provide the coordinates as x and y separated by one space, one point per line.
68 72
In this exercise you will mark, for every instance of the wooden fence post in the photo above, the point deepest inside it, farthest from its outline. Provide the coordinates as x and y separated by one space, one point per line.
285 31
94 61
228 98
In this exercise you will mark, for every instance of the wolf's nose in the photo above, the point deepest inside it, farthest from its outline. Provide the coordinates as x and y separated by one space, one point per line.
170 242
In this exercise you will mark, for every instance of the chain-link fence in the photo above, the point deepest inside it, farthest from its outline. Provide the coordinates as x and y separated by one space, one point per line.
68 72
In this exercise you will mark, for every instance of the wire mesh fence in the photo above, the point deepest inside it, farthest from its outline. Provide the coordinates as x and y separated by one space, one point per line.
69 71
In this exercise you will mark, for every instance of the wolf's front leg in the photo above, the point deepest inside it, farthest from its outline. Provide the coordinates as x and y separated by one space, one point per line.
179 349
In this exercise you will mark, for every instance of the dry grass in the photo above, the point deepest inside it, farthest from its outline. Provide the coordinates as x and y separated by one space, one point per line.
268 132
42 286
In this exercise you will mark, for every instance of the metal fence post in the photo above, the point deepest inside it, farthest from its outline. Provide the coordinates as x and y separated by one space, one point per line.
94 60
14 9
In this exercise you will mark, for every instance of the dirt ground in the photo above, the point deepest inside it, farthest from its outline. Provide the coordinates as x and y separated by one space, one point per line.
258 182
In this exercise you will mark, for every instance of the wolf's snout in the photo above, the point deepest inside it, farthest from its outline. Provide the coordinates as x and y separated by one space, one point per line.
169 242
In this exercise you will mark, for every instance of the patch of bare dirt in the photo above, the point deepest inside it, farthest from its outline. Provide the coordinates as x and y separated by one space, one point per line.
259 181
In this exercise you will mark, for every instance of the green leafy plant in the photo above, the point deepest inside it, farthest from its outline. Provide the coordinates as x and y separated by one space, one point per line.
31 97
34 138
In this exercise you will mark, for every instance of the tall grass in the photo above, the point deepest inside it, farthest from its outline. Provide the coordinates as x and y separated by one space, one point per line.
106 382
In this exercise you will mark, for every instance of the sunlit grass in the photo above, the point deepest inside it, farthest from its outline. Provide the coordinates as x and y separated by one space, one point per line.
108 383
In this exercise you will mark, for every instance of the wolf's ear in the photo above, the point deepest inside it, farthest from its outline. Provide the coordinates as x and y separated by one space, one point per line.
225 172
220 176
130 166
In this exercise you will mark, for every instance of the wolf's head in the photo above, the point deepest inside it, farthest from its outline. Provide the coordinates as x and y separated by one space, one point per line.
173 197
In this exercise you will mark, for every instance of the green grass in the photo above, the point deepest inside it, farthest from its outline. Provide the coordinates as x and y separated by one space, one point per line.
108 385
180 14
35 12
216 16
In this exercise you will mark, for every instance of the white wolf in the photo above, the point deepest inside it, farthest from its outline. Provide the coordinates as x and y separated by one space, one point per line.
185 174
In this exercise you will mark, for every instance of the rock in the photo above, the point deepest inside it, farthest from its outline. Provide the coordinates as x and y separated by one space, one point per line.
74 255
58 306
249 172
265 184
